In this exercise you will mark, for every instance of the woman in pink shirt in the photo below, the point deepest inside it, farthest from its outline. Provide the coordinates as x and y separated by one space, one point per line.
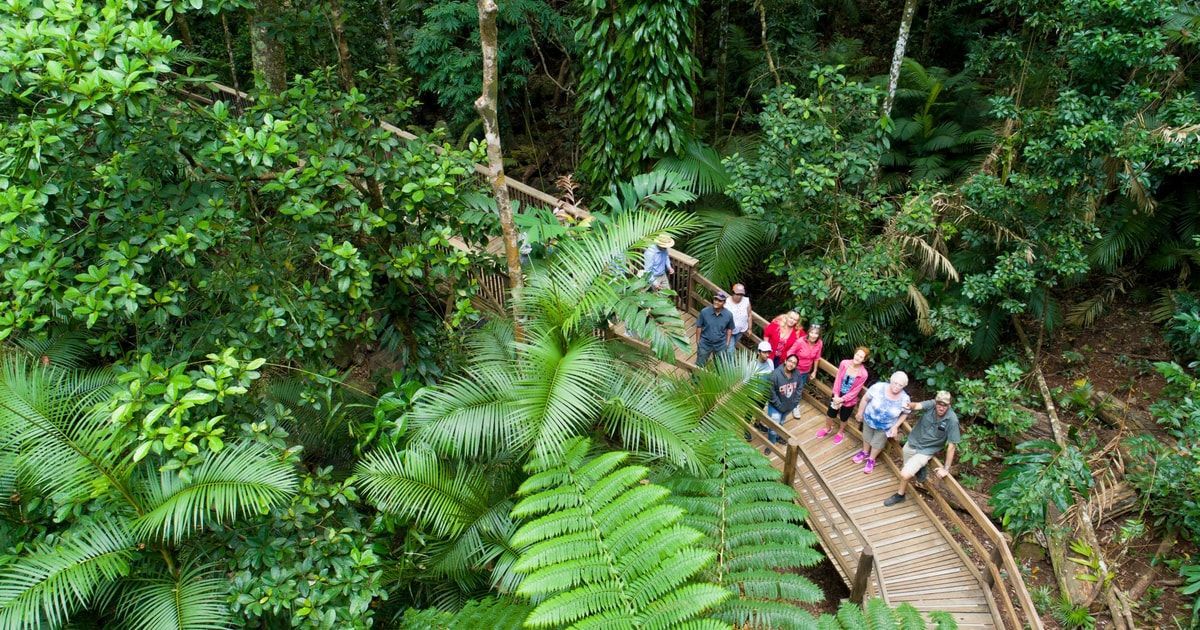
847 385
782 333
808 350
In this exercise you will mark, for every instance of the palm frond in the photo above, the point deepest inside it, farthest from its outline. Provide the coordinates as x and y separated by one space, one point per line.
244 478
45 587
719 396
642 419
555 293
195 600
471 416
648 315
653 190
415 485
729 244
559 389
932 260
51 419
63 351
602 549
699 168
494 341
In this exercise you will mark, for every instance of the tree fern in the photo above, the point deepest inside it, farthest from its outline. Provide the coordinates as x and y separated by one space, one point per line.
192 600
242 479
46 586
603 549
876 615
752 522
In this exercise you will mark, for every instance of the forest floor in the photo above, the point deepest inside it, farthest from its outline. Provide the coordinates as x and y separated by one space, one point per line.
1115 355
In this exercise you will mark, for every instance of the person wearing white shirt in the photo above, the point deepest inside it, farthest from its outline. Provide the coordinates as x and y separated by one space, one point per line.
738 306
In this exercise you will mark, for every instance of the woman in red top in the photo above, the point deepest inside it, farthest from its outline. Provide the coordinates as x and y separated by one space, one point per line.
782 334
808 350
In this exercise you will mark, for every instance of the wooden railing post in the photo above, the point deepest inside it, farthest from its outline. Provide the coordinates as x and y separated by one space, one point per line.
862 576
789 462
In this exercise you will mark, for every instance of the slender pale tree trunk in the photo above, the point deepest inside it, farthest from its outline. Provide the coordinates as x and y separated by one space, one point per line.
910 9
389 38
722 65
337 23
267 52
762 23
486 105
229 53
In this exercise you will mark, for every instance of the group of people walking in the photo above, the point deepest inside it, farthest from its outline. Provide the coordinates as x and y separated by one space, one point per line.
789 356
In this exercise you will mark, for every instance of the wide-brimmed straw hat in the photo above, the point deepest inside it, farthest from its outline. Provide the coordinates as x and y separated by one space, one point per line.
664 241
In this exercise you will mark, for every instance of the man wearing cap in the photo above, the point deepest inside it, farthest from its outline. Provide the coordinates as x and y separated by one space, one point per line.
658 262
739 307
714 327
936 426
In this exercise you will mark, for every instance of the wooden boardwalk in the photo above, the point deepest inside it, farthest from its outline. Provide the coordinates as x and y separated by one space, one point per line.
917 560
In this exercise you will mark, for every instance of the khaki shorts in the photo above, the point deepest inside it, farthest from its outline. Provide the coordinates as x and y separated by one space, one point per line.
875 437
913 462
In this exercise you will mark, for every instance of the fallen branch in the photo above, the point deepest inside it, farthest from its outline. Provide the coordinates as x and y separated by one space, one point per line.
1117 606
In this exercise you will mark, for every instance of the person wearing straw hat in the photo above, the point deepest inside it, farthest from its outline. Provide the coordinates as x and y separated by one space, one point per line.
658 262
937 427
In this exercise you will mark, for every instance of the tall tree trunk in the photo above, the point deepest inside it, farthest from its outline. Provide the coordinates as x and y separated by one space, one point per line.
910 9
267 52
185 29
486 105
337 23
722 65
762 23
229 52
389 38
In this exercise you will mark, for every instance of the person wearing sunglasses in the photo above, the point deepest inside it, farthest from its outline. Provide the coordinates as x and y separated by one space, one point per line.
935 428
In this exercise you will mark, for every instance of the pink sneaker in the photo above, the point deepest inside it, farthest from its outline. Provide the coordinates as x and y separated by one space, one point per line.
821 433
858 457
869 467
837 439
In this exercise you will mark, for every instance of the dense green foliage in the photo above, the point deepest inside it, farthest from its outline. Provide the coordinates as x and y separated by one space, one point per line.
245 383
636 84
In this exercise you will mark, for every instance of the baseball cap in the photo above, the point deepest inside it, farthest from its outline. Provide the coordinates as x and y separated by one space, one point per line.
942 397
720 295
764 346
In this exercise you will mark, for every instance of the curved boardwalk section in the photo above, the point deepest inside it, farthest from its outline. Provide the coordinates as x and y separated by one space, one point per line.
919 562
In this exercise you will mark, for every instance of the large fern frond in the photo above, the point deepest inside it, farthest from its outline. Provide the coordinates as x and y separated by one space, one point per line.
603 549
494 613
193 600
63 351
44 588
244 478
51 419
752 522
